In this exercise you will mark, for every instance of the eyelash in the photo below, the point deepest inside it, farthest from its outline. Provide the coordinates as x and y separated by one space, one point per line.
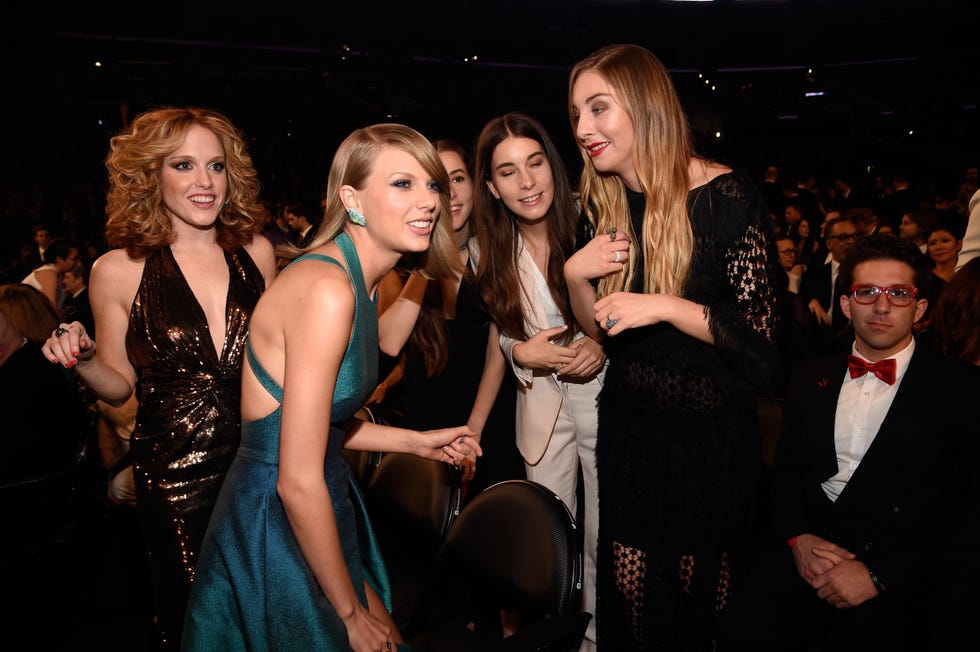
185 165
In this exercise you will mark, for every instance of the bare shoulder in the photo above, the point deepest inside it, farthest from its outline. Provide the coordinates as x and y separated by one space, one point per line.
310 283
263 254
116 265
702 171
115 274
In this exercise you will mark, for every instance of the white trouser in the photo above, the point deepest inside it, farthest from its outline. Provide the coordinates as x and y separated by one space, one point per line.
572 444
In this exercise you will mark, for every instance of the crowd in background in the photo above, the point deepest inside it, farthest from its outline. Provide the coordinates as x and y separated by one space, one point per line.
51 246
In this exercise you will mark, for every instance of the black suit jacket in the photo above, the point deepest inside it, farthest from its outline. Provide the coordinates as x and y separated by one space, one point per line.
79 308
815 284
909 492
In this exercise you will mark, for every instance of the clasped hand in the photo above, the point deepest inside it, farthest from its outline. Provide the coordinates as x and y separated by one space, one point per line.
835 572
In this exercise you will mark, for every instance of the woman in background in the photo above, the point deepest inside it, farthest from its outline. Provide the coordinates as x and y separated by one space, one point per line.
454 370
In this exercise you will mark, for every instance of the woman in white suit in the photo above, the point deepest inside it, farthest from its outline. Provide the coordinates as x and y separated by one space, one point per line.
526 219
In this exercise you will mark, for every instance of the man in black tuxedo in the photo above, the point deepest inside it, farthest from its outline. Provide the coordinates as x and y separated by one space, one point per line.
819 287
76 305
871 482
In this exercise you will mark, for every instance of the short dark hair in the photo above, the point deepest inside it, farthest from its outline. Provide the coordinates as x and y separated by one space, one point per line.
832 222
59 248
878 246
947 222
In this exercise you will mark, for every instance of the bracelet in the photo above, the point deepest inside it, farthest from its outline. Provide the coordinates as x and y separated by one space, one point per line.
876 581
792 542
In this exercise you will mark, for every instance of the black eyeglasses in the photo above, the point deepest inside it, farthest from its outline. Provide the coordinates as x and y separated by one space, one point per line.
899 295
787 251
843 236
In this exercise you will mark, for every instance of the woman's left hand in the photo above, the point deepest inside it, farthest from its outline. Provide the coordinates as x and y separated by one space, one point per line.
622 310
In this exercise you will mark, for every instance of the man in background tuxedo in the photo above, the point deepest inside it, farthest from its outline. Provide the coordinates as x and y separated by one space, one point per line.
871 480
76 303
819 287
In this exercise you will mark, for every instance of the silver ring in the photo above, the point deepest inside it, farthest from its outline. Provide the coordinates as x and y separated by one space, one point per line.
616 259
58 332
610 322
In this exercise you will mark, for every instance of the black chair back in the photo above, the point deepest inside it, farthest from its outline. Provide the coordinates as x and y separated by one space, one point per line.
412 502
514 547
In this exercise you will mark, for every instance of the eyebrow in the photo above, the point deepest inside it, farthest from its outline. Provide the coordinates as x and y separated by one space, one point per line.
597 95
457 171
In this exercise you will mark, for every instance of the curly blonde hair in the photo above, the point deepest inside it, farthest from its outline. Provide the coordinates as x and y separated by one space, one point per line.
137 219
662 151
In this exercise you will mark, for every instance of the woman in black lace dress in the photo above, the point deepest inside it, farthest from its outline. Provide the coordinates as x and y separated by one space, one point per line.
679 273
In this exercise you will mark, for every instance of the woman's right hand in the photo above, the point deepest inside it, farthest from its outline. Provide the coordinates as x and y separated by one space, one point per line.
604 254
69 344
539 352
366 632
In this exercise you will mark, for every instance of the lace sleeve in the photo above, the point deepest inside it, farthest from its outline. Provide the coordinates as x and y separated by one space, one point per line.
746 331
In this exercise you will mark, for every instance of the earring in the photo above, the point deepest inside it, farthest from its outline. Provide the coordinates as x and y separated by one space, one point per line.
356 217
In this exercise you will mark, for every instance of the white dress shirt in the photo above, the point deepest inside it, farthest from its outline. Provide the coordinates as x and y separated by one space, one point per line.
861 407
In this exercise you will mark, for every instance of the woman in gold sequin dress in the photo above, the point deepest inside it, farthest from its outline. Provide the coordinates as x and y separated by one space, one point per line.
171 304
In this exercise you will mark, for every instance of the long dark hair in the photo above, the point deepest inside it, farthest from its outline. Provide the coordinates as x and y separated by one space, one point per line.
497 276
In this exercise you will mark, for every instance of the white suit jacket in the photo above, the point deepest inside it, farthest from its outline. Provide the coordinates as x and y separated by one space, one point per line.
539 396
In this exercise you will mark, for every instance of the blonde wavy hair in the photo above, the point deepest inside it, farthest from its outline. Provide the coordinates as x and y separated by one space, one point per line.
662 151
137 219
351 166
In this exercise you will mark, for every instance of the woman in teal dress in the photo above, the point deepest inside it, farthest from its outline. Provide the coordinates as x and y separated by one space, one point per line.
289 561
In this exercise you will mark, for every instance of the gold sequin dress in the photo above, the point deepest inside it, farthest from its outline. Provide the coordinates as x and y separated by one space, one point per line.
189 419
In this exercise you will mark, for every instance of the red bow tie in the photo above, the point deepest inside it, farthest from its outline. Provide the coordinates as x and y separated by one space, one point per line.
884 369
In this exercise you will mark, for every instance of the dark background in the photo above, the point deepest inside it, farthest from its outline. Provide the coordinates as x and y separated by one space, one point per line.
900 79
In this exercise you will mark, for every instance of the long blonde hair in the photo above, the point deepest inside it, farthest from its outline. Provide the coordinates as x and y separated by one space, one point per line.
352 165
662 151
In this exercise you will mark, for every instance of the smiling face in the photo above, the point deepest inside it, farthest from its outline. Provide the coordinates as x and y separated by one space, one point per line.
399 200
881 329
195 183
603 128
522 178
461 188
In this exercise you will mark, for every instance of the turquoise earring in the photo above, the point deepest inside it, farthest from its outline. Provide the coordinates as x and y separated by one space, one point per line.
356 217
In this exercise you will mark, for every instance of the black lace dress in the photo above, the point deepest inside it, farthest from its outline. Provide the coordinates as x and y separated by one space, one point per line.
678 444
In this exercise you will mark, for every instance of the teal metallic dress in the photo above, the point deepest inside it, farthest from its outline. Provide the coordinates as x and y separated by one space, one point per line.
253 588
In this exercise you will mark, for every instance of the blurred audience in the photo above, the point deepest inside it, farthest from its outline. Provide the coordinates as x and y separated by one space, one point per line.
44 415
